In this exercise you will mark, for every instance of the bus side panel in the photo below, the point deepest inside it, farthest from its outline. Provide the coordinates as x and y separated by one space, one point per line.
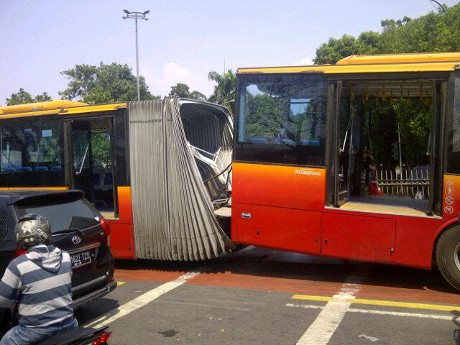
122 232
278 206
358 237
280 186
279 228
414 241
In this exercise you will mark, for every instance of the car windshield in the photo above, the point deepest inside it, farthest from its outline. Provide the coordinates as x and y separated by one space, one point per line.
69 215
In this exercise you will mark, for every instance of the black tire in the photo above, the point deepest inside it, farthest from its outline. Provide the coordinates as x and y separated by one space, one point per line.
448 256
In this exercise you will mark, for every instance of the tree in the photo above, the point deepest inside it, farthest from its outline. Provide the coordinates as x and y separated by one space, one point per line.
434 32
336 49
183 90
225 90
180 90
104 84
22 97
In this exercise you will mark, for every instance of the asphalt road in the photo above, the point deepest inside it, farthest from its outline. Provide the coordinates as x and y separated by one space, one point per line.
260 296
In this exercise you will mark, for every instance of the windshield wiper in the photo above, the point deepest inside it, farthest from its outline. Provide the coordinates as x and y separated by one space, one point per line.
67 232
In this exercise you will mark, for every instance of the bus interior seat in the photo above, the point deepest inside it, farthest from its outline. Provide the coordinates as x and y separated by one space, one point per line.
288 142
258 140
96 179
41 168
108 180
25 169
56 168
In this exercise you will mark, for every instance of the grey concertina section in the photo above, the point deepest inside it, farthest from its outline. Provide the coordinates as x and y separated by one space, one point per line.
172 210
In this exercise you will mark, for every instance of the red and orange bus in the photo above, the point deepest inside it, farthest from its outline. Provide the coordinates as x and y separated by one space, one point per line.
359 160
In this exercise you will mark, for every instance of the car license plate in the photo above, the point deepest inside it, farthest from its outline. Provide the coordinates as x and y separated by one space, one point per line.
80 259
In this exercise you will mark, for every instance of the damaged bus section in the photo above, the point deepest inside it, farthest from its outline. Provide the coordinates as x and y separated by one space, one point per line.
180 168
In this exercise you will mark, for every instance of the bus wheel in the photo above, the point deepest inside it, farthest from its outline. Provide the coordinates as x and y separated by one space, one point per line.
448 256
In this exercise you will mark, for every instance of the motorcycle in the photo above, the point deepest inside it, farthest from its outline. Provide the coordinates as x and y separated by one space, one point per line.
79 336
74 336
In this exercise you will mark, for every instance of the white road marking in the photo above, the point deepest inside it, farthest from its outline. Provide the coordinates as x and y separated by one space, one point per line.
141 301
324 326
378 312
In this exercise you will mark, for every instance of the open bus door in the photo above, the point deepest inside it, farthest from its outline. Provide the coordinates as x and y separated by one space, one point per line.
338 182
90 161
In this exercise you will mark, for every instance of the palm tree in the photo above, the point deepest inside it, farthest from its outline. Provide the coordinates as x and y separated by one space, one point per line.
225 90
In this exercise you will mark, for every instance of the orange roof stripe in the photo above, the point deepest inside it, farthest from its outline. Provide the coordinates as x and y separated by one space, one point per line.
401 63
60 107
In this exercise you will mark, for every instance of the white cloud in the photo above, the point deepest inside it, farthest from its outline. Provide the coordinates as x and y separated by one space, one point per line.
172 73
304 61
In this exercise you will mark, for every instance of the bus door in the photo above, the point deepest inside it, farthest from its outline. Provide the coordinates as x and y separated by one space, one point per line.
346 233
337 159
91 161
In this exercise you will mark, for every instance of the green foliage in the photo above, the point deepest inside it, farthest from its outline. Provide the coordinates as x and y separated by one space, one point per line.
104 84
183 90
225 88
336 49
434 32
101 150
23 97
412 117
264 116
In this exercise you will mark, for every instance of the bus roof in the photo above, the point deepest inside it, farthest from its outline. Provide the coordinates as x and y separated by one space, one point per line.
385 63
56 107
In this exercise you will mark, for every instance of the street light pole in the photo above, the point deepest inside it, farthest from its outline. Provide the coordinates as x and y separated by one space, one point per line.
136 16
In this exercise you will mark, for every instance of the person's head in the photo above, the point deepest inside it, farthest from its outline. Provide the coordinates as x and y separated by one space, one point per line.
31 230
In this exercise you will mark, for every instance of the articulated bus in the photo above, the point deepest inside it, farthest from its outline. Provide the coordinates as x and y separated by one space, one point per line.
359 160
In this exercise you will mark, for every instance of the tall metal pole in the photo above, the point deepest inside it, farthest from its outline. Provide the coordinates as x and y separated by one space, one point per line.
136 16
137 64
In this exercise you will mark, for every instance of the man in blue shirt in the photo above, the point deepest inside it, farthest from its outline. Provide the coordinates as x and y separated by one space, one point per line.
40 283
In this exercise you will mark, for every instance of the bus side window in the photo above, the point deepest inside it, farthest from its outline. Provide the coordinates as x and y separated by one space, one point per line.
29 152
453 133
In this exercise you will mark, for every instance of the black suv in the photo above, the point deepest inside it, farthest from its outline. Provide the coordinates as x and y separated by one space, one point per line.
76 227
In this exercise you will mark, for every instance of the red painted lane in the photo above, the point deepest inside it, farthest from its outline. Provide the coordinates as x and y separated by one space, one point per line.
147 275
254 282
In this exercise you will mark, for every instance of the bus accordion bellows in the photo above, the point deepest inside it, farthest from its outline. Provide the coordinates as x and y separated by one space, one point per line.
359 160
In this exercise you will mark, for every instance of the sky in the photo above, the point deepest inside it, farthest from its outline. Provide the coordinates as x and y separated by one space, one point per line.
182 41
